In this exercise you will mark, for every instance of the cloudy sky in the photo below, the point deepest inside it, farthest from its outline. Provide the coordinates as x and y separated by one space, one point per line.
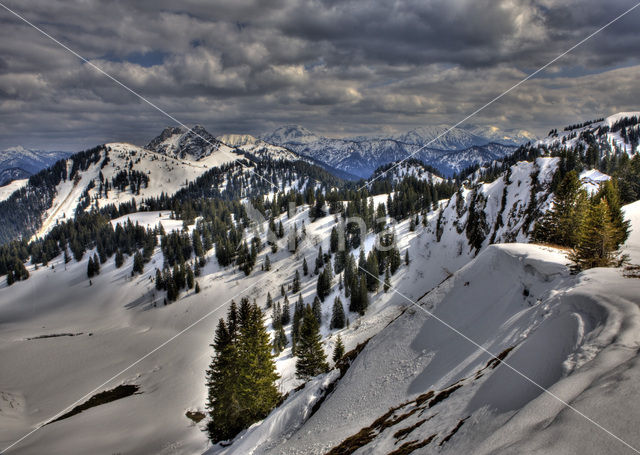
338 67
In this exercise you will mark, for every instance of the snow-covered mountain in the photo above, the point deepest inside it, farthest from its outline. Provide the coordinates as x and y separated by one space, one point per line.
408 384
449 154
179 142
257 147
20 163
506 137
617 132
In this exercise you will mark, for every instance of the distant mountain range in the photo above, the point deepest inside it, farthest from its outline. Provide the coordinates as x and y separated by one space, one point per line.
20 163
447 151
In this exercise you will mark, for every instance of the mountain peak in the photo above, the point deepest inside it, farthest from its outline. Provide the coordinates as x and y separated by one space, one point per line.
290 134
179 142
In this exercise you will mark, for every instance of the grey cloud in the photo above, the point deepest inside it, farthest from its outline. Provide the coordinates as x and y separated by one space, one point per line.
353 66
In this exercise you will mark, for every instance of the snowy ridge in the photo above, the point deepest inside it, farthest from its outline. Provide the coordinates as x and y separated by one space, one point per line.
562 331
612 141
451 153
257 147
166 174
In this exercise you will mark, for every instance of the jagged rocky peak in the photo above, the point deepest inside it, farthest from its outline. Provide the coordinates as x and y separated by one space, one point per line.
180 142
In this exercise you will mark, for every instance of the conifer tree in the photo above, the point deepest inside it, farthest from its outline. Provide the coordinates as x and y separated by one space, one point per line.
333 240
222 403
298 311
267 263
317 310
190 278
295 287
159 281
371 274
242 375
610 192
406 257
91 268
596 245
286 312
338 351
197 290
269 300
338 318
387 280
561 225
312 359
138 263
305 267
119 258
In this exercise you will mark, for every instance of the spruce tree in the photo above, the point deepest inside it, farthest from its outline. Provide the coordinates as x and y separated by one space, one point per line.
197 290
338 351
317 310
338 318
222 403
138 263
387 280
295 287
305 267
90 268
119 259
312 359
269 300
596 245
286 312
267 263
561 225
159 281
257 373
298 311
190 278
406 257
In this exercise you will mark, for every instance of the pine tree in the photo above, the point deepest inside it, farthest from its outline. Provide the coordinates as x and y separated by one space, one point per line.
298 311
334 240
159 282
190 278
312 359
197 290
269 300
286 312
317 310
119 259
371 271
91 268
338 351
387 280
338 317
242 375
610 192
267 263
222 403
561 225
295 287
282 291
406 257
305 267
138 263
596 246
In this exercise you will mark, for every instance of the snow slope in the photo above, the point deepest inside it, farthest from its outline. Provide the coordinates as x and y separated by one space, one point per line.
8 189
613 140
576 335
167 174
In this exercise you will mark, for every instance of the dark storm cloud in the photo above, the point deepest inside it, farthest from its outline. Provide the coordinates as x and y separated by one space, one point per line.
343 67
